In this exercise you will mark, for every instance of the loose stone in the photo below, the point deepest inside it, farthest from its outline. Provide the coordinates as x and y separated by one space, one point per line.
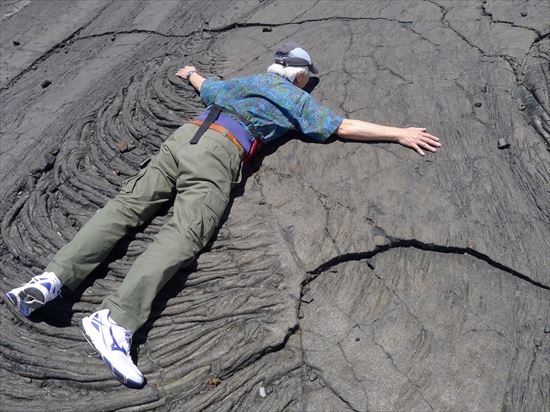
503 144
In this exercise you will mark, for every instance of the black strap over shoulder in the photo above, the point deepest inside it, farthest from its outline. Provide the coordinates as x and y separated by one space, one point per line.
213 114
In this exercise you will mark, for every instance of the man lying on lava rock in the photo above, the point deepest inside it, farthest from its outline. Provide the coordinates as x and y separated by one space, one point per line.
200 162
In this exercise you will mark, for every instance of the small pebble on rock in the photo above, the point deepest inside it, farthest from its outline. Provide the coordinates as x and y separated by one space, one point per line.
477 104
213 381
307 299
277 382
45 84
503 144
16 43
312 377
523 13
357 339
122 146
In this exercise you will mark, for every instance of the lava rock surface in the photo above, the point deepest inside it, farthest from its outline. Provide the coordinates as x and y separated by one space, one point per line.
345 276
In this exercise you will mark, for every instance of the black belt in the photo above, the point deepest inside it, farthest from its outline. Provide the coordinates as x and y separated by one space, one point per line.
213 113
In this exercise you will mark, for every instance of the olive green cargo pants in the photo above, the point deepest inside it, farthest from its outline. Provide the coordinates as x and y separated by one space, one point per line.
200 176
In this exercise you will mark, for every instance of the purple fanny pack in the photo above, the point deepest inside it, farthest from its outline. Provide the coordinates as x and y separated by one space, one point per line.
234 127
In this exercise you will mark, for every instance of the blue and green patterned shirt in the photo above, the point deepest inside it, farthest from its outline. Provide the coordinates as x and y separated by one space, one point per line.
273 105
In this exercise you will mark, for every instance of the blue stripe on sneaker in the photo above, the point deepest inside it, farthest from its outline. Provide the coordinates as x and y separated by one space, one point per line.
24 309
115 345
47 285
95 322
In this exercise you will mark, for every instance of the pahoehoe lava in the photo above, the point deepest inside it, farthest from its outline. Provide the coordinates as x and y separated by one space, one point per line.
344 276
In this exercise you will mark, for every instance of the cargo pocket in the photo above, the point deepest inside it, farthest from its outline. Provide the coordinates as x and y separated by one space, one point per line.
210 209
129 184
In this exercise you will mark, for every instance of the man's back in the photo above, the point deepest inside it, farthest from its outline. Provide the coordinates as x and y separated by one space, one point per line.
273 105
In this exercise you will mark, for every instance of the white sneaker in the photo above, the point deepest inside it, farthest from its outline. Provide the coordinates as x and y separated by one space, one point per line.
35 293
113 343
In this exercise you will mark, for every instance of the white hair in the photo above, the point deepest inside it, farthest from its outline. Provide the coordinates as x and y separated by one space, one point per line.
288 72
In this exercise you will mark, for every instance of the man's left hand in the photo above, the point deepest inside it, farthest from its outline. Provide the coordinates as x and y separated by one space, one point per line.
418 138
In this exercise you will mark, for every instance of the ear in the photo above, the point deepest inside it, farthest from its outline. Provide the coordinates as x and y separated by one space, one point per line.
299 78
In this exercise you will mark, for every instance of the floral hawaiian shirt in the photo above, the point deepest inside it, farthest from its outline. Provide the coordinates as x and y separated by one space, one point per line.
273 105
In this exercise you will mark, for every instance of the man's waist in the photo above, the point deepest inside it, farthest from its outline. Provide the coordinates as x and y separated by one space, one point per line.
235 128
220 129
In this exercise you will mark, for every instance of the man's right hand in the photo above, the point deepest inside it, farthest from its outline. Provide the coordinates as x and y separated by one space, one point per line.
196 79
185 70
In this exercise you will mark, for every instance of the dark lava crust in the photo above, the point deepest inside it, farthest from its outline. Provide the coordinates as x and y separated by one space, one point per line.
345 276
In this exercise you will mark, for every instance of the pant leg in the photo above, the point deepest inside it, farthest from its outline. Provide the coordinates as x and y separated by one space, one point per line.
207 171
139 197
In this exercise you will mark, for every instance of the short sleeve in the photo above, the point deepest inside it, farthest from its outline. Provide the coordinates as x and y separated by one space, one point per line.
209 90
316 121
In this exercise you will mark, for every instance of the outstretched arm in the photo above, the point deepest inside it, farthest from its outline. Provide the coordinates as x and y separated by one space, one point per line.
195 79
415 138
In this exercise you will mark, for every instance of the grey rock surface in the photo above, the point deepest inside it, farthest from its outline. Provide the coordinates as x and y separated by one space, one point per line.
345 276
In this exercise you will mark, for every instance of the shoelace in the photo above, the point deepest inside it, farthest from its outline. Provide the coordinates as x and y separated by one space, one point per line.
128 336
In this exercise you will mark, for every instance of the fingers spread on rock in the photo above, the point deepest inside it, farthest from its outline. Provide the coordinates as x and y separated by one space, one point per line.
432 142
419 150
429 136
427 146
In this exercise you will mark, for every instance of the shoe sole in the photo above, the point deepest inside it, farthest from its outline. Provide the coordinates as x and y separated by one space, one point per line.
116 373
26 301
